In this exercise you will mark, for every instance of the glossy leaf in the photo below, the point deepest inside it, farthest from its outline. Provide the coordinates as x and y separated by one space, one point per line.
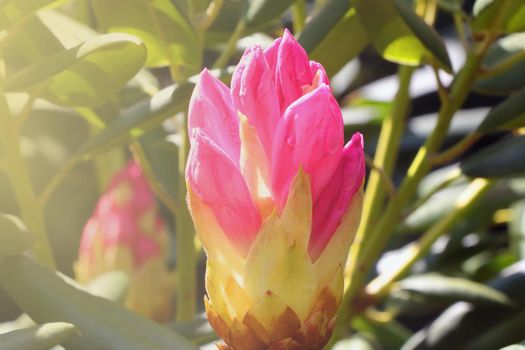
141 117
260 12
198 330
502 334
389 33
344 42
104 325
517 228
41 337
167 33
111 285
511 79
453 289
503 158
485 12
426 34
87 75
463 321
317 28
14 238
508 115
13 11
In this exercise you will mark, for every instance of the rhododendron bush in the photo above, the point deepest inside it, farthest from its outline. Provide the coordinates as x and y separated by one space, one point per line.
256 174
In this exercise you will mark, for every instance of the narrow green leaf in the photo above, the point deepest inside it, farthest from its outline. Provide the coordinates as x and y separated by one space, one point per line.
320 25
503 158
168 34
426 34
508 115
104 325
14 238
388 32
513 18
454 289
41 337
344 42
463 321
393 334
517 228
260 12
197 330
511 79
146 115
505 333
87 75
111 285
141 117
13 11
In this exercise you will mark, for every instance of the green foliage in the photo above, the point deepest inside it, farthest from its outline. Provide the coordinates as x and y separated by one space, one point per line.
102 324
87 84
14 238
40 337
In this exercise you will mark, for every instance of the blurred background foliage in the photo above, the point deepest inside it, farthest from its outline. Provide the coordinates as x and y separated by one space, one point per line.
86 84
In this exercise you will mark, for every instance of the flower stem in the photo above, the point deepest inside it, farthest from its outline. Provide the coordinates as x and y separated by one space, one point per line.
229 50
380 286
298 16
377 238
185 243
386 154
18 174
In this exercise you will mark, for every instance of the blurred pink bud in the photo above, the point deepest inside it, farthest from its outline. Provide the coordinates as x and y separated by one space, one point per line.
275 198
126 233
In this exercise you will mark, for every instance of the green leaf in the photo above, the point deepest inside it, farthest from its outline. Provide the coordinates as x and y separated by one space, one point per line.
197 330
517 228
453 289
511 79
344 42
503 158
513 17
13 11
260 12
391 333
14 238
168 34
40 337
317 28
111 285
505 333
147 115
390 35
31 43
426 34
463 321
162 153
508 115
104 325
87 75
141 117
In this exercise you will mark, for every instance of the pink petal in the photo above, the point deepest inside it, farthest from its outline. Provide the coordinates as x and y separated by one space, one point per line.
254 95
292 70
336 197
217 180
310 135
212 111
270 53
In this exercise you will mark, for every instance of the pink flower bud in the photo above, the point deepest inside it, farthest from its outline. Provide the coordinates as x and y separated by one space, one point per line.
126 233
275 198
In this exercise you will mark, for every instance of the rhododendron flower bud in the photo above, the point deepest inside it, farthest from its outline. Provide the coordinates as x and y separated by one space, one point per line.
126 233
275 196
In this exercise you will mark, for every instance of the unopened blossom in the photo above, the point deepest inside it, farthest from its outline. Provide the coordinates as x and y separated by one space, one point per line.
126 233
275 196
